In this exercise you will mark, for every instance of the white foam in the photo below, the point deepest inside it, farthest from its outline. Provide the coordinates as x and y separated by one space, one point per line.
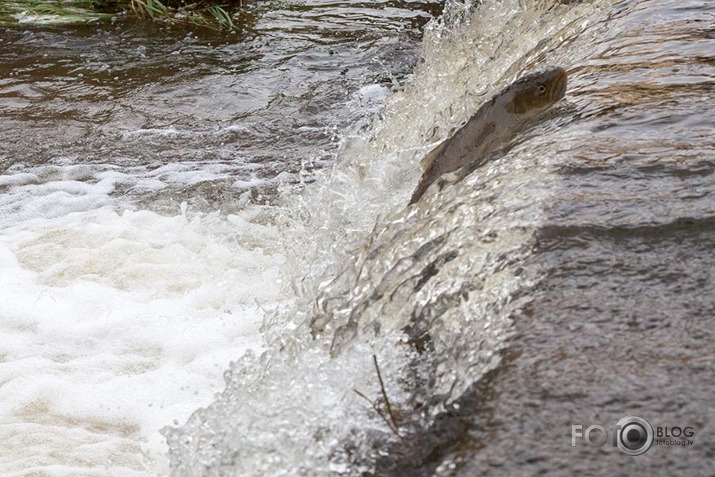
372 97
168 131
115 323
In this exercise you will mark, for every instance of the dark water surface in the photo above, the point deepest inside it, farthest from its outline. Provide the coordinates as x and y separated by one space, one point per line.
622 321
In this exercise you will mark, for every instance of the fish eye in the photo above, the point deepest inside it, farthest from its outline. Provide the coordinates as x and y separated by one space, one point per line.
542 88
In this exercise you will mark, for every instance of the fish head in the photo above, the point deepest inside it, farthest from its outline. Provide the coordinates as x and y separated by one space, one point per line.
537 91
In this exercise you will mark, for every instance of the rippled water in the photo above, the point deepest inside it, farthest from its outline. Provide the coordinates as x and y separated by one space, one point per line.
565 283
242 107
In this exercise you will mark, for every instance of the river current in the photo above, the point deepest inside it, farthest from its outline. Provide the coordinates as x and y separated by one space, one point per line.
208 266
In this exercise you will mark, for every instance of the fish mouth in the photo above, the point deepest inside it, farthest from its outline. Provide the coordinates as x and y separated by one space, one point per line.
558 88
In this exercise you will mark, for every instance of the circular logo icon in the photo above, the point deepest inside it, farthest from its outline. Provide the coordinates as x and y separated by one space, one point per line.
634 435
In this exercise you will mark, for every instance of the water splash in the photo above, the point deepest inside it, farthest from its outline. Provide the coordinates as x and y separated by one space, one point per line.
430 290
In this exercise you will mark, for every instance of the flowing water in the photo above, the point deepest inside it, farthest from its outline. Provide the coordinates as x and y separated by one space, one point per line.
173 202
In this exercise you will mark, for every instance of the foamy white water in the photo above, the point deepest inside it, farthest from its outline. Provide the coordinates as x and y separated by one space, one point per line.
117 322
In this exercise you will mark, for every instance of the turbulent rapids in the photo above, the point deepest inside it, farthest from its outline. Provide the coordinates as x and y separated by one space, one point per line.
243 201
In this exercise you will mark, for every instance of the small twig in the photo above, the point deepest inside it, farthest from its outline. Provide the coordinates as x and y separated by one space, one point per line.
392 420
379 413
384 393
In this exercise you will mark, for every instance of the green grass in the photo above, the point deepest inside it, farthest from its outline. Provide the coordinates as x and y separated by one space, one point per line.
207 13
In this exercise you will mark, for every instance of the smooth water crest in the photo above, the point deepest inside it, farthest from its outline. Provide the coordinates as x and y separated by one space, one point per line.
252 207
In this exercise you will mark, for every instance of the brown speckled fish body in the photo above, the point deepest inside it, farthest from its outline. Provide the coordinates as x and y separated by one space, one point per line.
493 126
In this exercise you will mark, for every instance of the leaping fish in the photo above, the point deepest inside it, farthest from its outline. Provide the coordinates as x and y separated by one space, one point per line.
493 126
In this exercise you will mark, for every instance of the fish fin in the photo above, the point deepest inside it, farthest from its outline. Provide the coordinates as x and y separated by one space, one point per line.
432 156
428 177
419 191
